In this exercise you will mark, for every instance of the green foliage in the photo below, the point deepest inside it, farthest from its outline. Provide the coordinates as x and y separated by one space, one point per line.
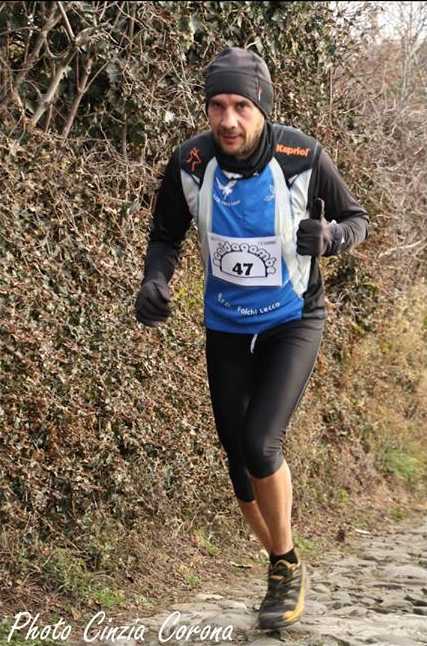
204 541
310 546
399 462
194 580
398 513
68 573
107 598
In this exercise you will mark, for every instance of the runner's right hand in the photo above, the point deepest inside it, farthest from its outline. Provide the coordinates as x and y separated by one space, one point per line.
153 302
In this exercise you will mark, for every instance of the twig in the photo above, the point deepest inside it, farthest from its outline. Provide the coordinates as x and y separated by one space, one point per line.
403 248
68 27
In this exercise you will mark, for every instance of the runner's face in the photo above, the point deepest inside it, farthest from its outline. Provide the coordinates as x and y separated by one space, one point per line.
236 124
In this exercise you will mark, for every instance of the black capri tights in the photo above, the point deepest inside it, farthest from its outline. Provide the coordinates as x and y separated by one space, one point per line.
256 383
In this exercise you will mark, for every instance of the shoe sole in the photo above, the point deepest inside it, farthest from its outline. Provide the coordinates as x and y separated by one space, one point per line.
276 622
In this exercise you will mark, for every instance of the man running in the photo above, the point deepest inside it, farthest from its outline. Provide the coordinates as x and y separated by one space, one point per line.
267 201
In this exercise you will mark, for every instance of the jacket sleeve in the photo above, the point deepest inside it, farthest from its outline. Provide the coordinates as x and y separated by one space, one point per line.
350 220
170 223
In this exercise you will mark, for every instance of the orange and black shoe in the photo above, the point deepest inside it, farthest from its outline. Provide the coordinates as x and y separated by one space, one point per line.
284 602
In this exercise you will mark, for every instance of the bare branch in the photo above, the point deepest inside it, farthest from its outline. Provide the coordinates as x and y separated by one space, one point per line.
82 86
52 19
68 27
51 91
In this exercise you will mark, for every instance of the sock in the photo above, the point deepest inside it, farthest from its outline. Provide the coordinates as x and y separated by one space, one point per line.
289 557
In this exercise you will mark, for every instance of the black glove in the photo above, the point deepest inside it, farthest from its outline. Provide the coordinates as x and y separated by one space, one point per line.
153 302
314 235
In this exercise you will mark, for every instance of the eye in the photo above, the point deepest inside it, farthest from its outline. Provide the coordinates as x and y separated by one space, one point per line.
215 105
243 105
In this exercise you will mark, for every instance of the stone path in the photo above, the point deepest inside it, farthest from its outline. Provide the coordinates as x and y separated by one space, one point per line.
376 594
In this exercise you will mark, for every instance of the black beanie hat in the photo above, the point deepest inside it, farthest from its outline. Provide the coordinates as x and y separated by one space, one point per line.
240 71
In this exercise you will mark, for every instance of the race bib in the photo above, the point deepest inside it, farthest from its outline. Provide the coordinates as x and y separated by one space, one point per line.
249 262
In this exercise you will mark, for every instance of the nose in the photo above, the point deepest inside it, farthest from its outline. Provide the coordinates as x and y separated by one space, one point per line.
229 118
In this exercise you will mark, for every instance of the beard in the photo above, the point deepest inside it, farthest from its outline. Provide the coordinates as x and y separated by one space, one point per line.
247 148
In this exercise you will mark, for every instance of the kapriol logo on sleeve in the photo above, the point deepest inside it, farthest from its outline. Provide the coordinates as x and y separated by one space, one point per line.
292 150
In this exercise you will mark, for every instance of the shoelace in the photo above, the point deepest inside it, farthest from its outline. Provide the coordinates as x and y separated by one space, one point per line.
277 583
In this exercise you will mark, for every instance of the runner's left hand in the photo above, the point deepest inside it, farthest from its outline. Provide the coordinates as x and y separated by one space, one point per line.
314 235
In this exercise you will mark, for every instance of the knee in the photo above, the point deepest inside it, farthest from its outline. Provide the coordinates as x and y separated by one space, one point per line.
262 457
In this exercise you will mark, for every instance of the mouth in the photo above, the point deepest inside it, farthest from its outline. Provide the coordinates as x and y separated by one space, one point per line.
229 139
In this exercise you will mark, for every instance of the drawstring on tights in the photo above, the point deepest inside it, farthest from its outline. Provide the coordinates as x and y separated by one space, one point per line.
254 338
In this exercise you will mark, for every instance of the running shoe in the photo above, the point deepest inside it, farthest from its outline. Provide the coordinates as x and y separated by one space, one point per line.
284 602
